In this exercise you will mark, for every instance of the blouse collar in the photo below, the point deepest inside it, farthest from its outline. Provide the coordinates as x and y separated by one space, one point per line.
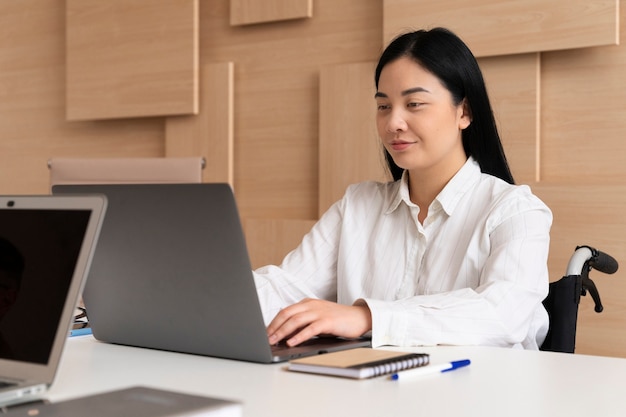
451 194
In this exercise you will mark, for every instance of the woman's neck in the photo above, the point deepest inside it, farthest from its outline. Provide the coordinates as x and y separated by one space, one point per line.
425 185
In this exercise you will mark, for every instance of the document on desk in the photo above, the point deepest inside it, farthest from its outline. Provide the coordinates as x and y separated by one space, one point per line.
134 401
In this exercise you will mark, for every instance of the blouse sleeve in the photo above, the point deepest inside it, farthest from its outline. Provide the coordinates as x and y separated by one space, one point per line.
309 271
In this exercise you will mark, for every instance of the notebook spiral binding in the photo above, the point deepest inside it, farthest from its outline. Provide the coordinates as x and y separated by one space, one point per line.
390 366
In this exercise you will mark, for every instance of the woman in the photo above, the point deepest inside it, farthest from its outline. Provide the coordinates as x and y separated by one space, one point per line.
450 252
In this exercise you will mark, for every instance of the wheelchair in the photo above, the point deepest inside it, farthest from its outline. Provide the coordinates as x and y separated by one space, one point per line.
564 296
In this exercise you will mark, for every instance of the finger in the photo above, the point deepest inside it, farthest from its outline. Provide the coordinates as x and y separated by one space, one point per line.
282 334
280 319
291 328
292 324
285 314
303 335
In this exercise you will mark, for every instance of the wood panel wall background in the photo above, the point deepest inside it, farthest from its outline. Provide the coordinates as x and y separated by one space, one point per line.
292 96
115 62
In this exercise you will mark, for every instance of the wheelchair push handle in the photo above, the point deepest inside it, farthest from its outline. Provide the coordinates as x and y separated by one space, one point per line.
604 263
584 259
592 258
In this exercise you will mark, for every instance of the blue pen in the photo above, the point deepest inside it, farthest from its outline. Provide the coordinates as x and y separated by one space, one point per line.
429 369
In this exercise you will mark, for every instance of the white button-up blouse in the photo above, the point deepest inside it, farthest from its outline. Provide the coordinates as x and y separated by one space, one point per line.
475 272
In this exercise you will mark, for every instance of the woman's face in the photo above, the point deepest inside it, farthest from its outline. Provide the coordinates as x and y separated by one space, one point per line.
418 122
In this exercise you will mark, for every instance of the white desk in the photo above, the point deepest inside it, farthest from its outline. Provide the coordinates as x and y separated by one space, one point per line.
499 382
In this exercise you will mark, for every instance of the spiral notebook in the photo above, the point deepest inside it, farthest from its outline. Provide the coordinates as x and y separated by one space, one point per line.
360 363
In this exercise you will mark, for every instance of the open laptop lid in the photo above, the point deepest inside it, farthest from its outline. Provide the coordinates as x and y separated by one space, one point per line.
47 246
172 272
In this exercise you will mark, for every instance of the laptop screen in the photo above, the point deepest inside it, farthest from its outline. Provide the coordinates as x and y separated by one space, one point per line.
38 254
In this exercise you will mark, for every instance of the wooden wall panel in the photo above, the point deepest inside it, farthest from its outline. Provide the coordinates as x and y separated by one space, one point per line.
245 12
210 133
32 103
131 59
516 108
277 96
583 114
269 240
275 143
591 215
510 27
349 147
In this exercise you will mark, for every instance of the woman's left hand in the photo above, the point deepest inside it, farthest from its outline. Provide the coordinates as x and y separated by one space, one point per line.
312 317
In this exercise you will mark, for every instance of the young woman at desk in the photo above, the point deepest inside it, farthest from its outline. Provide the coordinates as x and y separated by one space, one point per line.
450 252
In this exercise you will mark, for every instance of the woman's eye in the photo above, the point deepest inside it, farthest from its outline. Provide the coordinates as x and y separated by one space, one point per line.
414 104
382 107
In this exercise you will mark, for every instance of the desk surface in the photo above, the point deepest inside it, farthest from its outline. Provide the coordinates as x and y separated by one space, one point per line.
499 382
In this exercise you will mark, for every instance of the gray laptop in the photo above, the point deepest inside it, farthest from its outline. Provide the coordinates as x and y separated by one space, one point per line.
46 246
171 272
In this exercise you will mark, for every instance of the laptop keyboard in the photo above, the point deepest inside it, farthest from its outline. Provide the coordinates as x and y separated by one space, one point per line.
282 345
321 344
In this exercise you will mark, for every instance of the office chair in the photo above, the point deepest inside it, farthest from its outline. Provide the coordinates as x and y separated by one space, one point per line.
125 170
564 297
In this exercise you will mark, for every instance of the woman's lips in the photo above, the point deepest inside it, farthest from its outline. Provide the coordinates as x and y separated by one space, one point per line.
400 145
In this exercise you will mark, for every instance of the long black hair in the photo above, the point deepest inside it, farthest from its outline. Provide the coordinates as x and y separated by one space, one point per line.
445 55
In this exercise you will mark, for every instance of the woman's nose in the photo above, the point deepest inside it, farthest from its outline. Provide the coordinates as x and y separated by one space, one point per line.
396 123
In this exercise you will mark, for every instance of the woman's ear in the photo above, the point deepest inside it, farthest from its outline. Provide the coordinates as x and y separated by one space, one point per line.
465 115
